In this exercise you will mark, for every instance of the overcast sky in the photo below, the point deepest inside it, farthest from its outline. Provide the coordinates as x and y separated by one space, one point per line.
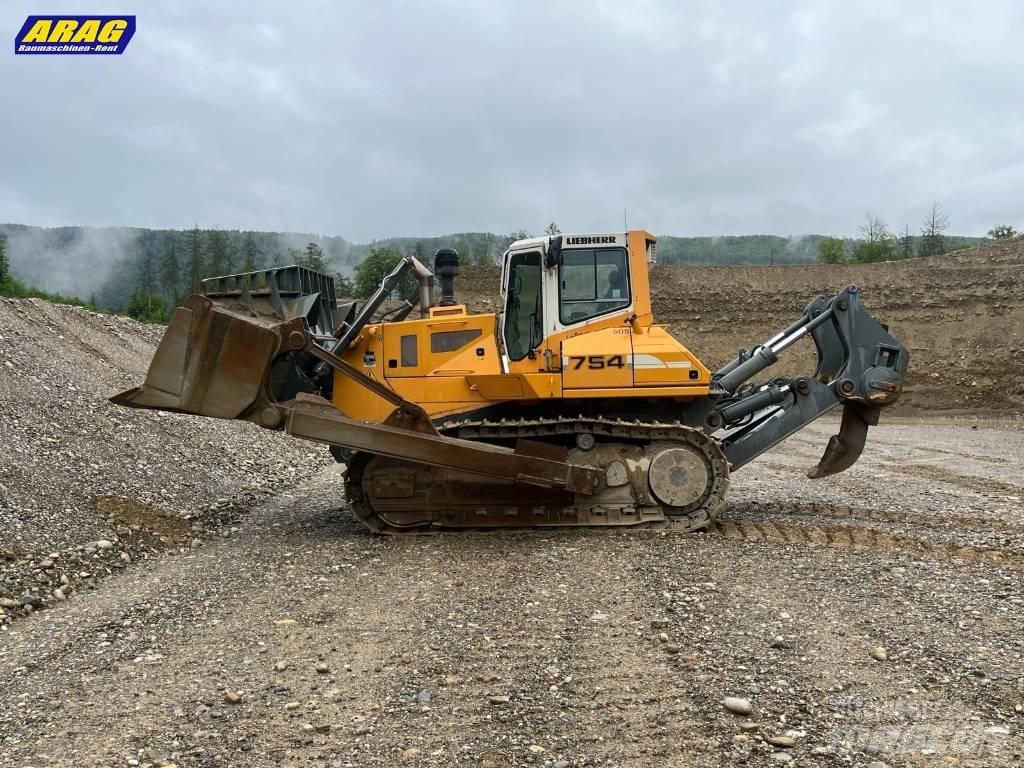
375 119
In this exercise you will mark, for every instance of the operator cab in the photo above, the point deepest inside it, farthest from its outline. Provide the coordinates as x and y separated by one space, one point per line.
563 284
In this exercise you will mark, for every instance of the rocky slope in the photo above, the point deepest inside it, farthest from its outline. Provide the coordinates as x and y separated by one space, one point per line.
87 487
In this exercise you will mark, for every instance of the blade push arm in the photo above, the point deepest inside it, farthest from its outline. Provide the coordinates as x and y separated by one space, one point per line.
860 366
218 362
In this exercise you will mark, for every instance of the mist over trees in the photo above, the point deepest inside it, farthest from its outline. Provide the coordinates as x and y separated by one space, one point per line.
12 287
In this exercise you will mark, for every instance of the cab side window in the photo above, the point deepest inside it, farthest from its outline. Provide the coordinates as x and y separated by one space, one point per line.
524 326
592 282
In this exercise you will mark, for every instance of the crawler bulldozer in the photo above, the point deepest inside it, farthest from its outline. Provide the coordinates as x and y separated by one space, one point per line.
569 407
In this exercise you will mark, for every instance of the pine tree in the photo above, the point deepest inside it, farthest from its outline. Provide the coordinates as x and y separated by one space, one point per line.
148 269
170 272
314 258
343 287
146 307
220 252
196 264
250 253
933 241
906 244
5 263
230 262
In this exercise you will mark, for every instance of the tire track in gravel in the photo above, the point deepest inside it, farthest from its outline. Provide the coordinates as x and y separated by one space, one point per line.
987 459
623 686
443 650
984 485
860 538
517 698
875 515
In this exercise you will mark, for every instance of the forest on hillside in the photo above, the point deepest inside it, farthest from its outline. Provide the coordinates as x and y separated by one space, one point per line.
107 266
146 272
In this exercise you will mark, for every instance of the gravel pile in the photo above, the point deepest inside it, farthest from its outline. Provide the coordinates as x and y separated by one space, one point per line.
87 487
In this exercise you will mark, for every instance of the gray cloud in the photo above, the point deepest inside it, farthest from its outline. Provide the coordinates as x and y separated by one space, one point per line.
415 118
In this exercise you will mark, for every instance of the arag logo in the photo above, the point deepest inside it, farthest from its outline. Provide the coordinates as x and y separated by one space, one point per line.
102 35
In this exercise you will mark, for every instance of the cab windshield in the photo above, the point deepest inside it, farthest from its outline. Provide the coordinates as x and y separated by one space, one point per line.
592 283
523 305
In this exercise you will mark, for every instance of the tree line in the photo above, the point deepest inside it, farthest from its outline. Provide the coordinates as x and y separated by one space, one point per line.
149 272
166 273
165 277
879 243
146 273
167 269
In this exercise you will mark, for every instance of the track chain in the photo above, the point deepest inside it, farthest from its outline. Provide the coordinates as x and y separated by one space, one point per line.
611 429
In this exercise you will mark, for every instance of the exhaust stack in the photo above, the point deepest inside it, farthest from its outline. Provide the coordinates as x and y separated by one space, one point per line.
446 267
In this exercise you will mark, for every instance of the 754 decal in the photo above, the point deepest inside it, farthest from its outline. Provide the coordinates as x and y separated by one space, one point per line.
596 362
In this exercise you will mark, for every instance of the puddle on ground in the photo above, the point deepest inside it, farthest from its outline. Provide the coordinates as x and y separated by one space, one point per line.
130 512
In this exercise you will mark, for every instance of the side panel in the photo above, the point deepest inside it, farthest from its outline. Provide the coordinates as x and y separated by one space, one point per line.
598 360
659 360
460 345
517 386
425 361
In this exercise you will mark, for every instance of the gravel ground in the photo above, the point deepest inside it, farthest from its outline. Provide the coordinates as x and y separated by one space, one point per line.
869 620
80 477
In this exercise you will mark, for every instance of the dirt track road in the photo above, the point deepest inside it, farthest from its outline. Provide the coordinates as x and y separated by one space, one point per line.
565 648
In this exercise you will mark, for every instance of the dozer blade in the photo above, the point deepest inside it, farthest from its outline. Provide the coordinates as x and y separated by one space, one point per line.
210 362
845 448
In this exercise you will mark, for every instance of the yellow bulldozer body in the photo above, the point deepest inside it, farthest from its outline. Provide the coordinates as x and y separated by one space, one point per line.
453 362
569 407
